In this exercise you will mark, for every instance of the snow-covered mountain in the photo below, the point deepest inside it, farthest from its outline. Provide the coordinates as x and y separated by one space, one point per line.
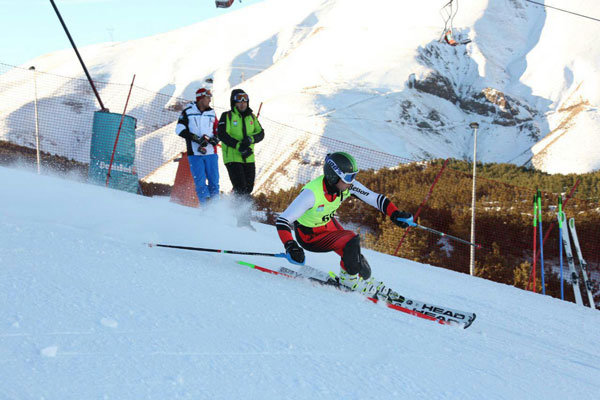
374 74
89 312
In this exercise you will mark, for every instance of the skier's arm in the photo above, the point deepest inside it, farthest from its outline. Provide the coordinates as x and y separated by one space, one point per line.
257 137
215 125
214 140
182 129
254 137
284 223
222 132
376 200
182 125
401 218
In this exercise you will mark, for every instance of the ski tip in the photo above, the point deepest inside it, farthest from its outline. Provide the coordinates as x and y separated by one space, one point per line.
468 324
245 263
149 244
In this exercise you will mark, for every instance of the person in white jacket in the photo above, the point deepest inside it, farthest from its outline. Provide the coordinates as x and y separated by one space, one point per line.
197 124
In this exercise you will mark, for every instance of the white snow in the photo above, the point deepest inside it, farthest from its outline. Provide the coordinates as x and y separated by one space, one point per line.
49 351
340 68
89 311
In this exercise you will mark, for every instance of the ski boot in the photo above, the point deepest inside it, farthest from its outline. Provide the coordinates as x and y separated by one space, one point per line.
369 287
378 290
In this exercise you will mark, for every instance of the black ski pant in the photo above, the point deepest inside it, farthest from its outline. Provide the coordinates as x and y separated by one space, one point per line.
242 177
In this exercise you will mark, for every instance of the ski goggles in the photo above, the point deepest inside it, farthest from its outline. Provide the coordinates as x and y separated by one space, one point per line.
346 177
238 98
203 93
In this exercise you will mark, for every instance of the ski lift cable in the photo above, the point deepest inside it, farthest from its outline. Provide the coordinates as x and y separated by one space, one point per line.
454 15
450 12
446 13
446 16
560 9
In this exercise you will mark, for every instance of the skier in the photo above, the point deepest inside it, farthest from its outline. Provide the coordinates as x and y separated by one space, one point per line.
197 124
239 131
311 216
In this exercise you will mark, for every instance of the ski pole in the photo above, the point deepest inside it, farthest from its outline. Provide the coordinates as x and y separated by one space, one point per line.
246 253
533 271
435 181
560 246
477 246
539 206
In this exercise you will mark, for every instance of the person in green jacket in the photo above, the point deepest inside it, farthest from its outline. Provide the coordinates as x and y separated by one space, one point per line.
239 131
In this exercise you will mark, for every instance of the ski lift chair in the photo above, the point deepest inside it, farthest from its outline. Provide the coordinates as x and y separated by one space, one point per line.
448 12
450 39
223 3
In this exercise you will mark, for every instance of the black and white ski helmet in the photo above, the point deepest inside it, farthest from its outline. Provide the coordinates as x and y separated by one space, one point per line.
338 166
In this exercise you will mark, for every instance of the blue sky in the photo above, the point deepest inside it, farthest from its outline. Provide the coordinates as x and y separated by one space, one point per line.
30 28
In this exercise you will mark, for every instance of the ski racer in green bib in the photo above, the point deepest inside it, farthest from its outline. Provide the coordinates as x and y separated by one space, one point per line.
312 217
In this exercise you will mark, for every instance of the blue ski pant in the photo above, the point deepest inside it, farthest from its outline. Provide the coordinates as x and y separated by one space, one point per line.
205 168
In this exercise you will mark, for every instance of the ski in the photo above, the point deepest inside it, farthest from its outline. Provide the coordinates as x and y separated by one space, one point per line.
582 263
569 253
428 311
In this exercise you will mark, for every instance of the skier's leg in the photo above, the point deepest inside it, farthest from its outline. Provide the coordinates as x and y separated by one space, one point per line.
249 177
353 262
199 175
333 237
242 200
236 175
356 272
323 238
212 173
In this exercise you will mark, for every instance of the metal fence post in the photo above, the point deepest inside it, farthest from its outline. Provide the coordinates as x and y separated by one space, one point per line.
37 123
474 126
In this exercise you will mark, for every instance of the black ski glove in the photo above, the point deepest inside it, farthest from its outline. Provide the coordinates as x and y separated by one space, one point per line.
202 141
403 219
246 141
294 251
197 139
245 151
213 140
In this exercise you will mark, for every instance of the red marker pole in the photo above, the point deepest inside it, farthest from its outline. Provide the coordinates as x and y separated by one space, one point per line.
112 157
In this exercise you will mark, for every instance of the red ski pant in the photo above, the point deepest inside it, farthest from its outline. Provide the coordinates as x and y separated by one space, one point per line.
329 237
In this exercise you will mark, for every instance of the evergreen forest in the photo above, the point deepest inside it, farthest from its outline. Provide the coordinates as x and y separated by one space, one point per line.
504 218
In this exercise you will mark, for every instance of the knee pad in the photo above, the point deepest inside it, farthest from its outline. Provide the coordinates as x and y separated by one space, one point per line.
354 262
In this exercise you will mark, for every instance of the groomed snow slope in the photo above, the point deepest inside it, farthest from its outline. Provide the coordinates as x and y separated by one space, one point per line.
89 312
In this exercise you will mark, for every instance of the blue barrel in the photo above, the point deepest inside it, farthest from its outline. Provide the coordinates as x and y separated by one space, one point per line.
104 134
